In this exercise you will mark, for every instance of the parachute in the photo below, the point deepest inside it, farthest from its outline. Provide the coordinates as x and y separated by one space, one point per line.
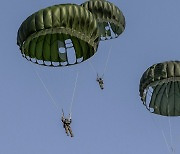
163 79
45 36
110 19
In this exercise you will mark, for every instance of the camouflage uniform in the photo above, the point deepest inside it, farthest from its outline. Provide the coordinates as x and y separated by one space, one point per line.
66 124
101 83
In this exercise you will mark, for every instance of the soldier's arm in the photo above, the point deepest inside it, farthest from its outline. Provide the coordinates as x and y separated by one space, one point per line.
70 120
62 118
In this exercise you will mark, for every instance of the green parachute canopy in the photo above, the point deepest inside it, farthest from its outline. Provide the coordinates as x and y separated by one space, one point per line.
45 36
110 19
163 79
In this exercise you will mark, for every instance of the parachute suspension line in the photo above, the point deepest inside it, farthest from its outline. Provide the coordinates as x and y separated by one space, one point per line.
53 101
170 130
168 146
105 67
93 68
72 100
162 132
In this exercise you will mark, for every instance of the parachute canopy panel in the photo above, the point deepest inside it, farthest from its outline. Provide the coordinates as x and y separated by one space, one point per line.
45 36
160 88
110 19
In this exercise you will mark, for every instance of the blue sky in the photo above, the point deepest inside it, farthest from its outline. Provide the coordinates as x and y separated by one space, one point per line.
109 121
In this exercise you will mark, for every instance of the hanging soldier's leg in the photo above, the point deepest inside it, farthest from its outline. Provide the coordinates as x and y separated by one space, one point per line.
66 129
70 131
102 86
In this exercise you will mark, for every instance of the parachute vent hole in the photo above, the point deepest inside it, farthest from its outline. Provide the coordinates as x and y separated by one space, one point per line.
103 38
40 62
151 110
113 35
149 95
109 33
68 43
61 47
33 60
107 28
55 63
150 90
23 55
28 58
62 50
64 63
79 60
48 63
71 56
